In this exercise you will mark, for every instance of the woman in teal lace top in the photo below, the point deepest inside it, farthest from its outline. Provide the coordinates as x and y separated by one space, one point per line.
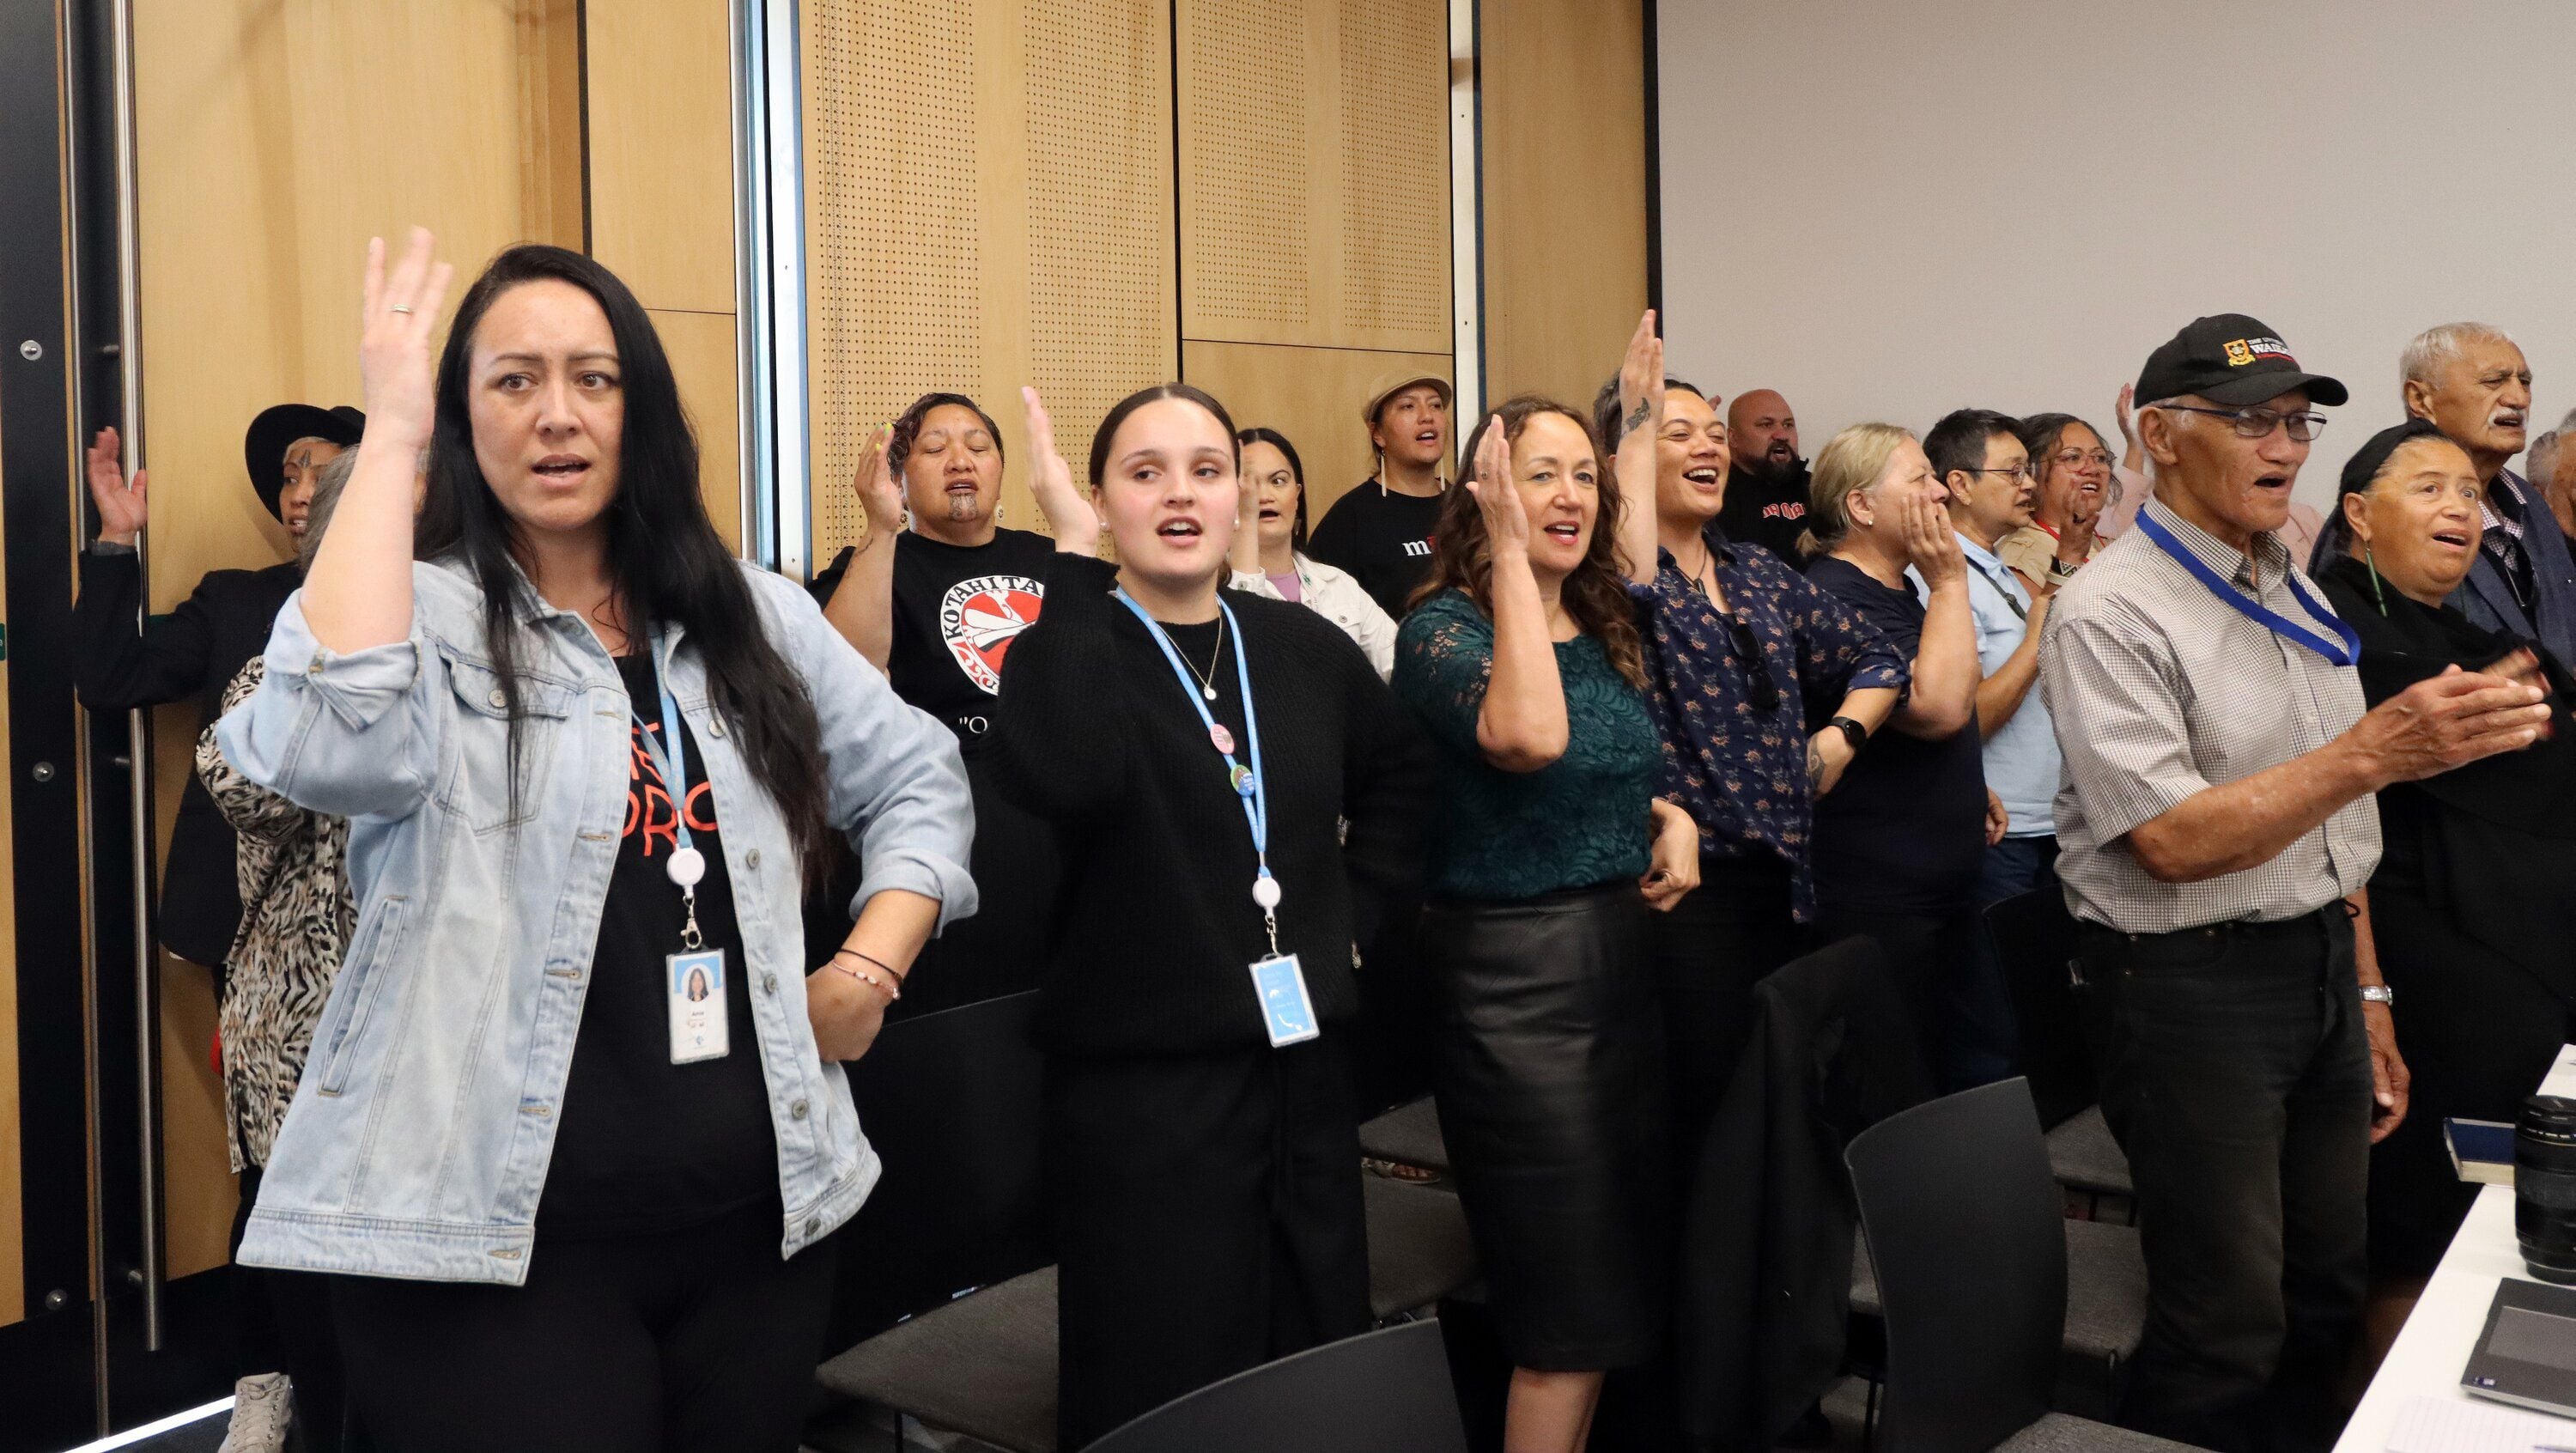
1549 848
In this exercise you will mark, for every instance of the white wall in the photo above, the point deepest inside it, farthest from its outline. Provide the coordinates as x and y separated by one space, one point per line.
1892 208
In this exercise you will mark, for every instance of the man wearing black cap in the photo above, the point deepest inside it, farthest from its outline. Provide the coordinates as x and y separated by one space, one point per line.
197 649
1381 532
2217 826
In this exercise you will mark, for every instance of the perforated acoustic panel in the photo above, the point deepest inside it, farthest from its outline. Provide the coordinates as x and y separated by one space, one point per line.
1098 155
1395 128
1245 103
892 191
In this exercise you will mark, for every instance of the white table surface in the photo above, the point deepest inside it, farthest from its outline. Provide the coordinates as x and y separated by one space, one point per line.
2434 1348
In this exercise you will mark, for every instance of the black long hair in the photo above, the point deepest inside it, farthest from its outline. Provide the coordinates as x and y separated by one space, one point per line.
1118 412
664 557
1296 471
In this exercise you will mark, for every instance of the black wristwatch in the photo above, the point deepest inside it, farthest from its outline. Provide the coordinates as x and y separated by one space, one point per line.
1857 733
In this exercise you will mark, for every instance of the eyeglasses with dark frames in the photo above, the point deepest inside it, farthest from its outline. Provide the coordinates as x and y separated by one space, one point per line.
2258 423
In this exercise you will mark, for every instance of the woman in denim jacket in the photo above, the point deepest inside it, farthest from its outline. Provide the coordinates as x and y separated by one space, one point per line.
577 742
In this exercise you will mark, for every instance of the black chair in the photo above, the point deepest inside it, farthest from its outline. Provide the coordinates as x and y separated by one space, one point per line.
1408 1135
1381 1392
958 1329
1968 1241
2035 941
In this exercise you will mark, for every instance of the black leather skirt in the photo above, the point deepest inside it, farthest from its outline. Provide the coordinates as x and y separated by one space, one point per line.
1550 1065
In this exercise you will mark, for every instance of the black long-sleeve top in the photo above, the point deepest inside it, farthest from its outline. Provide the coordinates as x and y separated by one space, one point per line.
196 651
1154 930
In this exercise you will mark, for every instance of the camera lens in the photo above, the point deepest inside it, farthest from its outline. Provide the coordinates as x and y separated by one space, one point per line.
2544 1187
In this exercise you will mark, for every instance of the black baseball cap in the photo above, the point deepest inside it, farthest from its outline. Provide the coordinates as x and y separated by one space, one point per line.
2229 358
264 446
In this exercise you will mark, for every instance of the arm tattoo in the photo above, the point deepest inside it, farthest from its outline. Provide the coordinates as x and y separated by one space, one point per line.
1636 418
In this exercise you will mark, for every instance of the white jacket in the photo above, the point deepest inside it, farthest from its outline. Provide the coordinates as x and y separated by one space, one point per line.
1337 597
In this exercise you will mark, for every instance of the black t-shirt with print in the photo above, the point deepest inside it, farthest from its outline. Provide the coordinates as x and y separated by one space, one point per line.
1382 538
957 608
1766 510
645 1145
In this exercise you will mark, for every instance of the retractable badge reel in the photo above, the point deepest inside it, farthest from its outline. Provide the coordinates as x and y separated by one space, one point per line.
694 978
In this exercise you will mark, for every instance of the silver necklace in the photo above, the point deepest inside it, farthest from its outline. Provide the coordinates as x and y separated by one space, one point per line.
1207 677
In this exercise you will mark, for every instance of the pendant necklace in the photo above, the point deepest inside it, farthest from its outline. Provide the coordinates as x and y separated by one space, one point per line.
1206 678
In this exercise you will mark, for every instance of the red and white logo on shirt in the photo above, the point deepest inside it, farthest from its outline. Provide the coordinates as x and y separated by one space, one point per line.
981 616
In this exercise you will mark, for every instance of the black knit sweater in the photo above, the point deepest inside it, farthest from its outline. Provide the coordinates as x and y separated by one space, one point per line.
1154 928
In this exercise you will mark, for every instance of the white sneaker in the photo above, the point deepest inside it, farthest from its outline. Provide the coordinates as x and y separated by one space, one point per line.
262 1408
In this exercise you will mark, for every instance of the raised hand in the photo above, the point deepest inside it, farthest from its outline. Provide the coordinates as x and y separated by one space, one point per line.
397 324
880 493
1931 543
1498 498
121 512
2120 412
1641 383
1076 524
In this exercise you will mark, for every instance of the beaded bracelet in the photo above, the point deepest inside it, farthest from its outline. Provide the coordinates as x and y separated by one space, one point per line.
892 983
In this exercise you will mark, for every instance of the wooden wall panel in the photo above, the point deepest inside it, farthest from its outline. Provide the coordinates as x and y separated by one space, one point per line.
660 124
273 137
1312 395
988 204
1313 158
1564 131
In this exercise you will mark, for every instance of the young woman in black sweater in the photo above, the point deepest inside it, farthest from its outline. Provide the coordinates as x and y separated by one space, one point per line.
1196 752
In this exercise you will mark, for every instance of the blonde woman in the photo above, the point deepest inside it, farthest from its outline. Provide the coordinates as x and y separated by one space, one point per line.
1900 840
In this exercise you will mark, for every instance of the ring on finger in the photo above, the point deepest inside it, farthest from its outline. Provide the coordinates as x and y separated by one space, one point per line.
398 308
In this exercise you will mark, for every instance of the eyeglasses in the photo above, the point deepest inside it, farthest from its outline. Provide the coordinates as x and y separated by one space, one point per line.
2072 458
2022 472
2259 423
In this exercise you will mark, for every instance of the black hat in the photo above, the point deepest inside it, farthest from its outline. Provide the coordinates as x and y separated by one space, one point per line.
2372 456
264 447
2229 358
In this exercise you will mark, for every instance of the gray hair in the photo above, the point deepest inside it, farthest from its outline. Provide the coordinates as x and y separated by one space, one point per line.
2430 349
2541 463
328 481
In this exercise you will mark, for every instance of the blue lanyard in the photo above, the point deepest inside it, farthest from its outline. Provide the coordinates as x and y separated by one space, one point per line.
2343 650
674 767
1250 784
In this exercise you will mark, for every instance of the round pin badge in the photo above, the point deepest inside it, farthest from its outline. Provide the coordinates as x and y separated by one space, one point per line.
1243 780
686 867
1224 739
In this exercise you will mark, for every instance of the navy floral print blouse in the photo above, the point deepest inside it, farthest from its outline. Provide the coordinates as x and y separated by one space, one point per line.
1736 694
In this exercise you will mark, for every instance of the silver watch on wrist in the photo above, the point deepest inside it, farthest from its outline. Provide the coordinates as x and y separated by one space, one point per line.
2378 994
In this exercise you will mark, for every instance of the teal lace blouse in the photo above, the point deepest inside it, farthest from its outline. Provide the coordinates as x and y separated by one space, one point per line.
1581 820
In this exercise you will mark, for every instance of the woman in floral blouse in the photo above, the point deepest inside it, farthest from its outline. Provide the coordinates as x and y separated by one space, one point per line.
1743 658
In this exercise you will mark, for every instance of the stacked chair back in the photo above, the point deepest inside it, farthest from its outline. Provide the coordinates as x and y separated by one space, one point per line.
954 1103
1381 1392
1963 1222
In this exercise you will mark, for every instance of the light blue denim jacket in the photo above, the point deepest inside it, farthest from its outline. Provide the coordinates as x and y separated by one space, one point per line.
418 1140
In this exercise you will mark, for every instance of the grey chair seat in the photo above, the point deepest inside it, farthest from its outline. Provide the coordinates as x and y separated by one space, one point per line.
2106 1291
983 1365
2084 1157
2058 1433
1409 1134
1419 1249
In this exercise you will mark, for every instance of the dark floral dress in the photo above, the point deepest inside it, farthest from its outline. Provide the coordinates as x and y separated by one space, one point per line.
1583 819
1736 693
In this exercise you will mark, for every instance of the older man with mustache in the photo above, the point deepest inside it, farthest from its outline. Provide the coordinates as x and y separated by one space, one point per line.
2472 382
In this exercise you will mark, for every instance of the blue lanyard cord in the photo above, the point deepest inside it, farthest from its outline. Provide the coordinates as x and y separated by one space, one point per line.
1256 800
2343 650
674 767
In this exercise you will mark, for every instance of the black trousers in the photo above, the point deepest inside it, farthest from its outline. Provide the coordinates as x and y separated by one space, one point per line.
1207 1220
1709 952
284 1325
696 1341
2236 1074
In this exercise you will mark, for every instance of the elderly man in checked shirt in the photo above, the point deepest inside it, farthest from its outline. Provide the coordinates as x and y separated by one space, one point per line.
2216 827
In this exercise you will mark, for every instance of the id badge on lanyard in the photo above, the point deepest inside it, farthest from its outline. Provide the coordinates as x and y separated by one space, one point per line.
693 979
1278 980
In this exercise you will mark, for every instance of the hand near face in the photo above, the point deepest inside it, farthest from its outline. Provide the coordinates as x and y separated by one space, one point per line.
1076 522
1930 542
397 321
121 511
880 493
1498 497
